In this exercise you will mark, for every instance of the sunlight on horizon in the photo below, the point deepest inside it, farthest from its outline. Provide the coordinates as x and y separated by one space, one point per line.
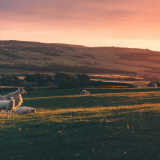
119 23
79 39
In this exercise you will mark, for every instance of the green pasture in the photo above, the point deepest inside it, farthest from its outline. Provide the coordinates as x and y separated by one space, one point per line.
20 72
11 71
110 123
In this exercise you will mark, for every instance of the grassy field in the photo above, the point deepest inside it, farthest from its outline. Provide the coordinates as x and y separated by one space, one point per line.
20 72
113 123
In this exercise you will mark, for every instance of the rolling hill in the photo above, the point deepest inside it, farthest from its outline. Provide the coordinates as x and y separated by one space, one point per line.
141 61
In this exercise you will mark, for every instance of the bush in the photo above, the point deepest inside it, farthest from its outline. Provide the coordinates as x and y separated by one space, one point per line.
38 78
82 80
12 81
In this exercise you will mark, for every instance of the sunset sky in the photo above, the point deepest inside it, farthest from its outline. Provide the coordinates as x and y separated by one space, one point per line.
121 23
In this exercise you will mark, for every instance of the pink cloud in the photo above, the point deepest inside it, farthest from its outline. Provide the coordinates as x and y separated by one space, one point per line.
120 19
71 9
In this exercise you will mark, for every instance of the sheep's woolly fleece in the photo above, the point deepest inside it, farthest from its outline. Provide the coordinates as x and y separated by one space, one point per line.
24 110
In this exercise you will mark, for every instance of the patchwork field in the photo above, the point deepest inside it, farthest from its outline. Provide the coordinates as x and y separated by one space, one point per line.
141 61
110 123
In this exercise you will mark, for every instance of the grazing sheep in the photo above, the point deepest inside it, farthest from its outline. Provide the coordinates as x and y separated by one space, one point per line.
154 84
7 105
16 94
24 110
84 92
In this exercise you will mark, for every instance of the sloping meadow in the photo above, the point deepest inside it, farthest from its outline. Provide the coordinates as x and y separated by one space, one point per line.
107 124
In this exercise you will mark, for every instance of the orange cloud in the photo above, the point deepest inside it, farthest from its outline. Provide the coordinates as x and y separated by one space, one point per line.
87 20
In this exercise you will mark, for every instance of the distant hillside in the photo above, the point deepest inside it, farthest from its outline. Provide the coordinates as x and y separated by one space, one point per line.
112 58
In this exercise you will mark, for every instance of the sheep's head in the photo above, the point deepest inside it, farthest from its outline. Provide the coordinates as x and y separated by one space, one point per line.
33 110
12 99
22 91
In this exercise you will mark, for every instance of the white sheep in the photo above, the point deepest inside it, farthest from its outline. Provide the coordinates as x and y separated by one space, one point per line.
7 105
24 110
16 94
154 84
84 92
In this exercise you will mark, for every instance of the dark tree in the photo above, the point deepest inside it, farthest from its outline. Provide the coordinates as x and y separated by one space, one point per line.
49 78
83 77
59 76
12 81
35 78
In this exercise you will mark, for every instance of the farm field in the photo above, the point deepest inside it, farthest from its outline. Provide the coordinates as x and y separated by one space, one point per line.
110 123
136 83
20 72
11 71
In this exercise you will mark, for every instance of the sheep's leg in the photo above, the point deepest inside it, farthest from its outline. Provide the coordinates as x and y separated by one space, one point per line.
13 112
7 113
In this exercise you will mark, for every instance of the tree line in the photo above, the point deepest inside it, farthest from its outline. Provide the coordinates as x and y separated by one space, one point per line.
12 55
12 81
53 67
71 81
62 79
38 79
82 80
